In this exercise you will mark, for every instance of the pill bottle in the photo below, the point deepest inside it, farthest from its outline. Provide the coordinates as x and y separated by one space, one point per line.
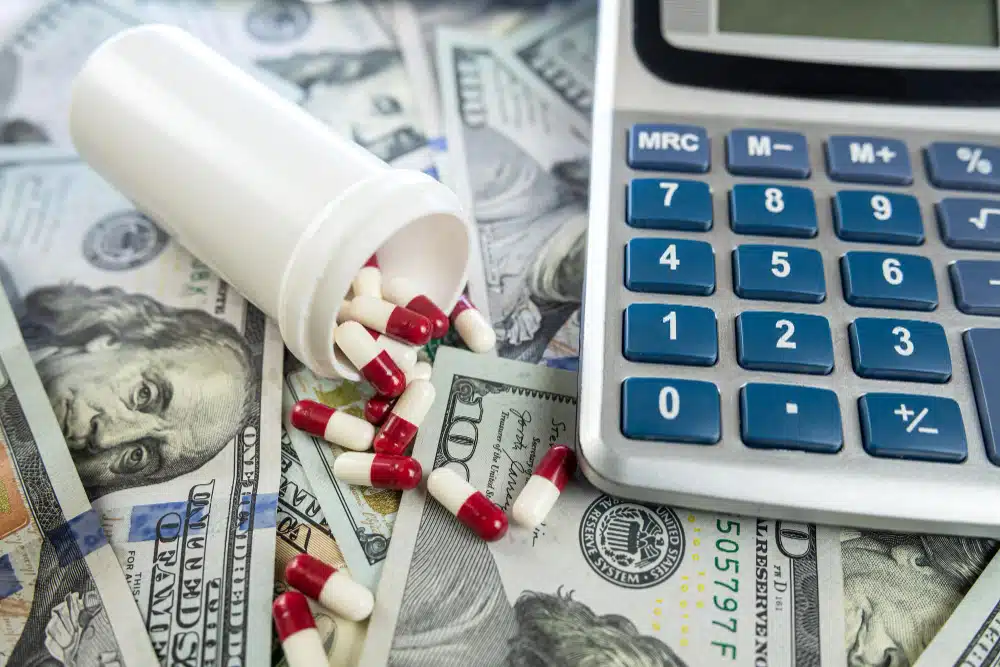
275 202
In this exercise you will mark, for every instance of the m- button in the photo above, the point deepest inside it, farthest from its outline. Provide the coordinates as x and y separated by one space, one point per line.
668 148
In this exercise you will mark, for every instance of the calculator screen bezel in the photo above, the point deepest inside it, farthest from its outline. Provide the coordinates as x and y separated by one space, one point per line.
802 79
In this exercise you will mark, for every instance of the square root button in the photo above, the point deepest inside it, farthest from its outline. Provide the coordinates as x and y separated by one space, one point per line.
855 159
767 153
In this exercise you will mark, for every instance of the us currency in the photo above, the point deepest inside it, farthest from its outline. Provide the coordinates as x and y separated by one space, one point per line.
63 597
302 529
361 518
518 156
339 54
561 50
40 58
166 386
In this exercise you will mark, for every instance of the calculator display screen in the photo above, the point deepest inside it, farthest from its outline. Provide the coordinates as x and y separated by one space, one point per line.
953 22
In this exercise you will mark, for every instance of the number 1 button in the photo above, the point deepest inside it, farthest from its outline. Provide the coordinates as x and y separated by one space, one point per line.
671 410
671 334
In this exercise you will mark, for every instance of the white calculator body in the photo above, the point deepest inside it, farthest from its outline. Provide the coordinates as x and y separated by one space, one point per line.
792 298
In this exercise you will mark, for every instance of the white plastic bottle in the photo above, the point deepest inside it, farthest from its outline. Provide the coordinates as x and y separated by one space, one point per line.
283 208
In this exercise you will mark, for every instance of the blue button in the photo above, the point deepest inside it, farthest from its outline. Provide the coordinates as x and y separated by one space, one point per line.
655 203
778 273
670 266
890 349
787 342
973 224
982 349
855 159
977 286
773 210
905 426
882 280
878 217
963 166
767 153
668 148
671 334
672 410
782 416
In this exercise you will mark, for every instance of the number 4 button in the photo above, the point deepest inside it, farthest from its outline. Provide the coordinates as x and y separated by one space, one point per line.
890 349
670 266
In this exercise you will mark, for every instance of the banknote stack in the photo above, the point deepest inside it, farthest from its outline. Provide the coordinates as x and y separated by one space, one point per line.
151 493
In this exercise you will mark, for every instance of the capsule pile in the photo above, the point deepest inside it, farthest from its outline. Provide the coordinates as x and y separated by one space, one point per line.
380 330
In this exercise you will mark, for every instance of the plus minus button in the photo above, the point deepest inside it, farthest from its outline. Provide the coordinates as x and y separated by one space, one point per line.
886 154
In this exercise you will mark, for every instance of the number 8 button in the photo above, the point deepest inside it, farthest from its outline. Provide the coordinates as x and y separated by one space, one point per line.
890 349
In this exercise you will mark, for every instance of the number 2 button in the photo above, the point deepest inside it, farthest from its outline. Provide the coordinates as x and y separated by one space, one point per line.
788 342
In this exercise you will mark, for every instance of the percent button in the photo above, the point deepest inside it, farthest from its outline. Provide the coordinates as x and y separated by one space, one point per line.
963 166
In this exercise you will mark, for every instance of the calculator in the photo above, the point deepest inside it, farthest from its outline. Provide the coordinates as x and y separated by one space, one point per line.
792 293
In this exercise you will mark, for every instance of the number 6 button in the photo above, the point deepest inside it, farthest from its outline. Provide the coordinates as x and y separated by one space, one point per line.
888 349
883 280
788 342
671 410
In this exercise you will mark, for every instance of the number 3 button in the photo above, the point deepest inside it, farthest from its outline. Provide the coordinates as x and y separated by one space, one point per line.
671 410
889 349
788 342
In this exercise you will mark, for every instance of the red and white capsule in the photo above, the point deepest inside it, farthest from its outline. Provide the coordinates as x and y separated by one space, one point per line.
404 355
469 505
391 319
374 364
381 471
368 281
377 409
475 331
300 640
400 427
420 371
330 587
402 292
548 480
332 425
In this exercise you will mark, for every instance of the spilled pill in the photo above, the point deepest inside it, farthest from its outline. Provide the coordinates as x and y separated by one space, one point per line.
421 371
381 471
368 281
469 505
374 363
402 292
544 486
399 428
330 587
300 640
377 409
391 319
473 328
332 425
404 355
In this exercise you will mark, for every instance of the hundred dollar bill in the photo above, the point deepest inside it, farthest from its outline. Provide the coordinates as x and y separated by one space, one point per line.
302 529
361 518
561 50
518 155
346 64
166 386
40 58
604 581
63 597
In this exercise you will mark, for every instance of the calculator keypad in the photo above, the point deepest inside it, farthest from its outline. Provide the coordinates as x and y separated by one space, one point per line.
673 410
858 159
778 273
670 266
977 286
784 416
679 204
786 342
970 224
773 210
982 348
767 153
963 166
889 280
891 349
671 334
905 426
873 216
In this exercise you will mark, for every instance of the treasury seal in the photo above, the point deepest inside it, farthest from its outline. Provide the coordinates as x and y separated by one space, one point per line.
278 20
631 544
123 241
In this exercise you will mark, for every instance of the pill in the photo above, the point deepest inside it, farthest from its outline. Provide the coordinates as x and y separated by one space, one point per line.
544 486
332 425
381 471
402 292
332 588
391 319
368 281
374 363
469 505
397 432
344 313
297 631
404 355
377 408
420 371
475 331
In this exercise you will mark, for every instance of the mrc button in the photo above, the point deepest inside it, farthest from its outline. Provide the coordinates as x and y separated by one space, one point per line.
668 148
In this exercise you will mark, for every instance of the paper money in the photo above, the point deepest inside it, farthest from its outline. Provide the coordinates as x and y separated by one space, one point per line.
166 386
519 157
561 50
361 518
302 529
63 597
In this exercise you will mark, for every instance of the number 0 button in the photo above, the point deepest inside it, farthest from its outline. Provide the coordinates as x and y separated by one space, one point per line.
787 342
883 280
671 410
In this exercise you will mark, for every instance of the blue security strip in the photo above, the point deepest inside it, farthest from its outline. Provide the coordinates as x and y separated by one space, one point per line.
668 148
782 416
907 426
148 522
754 152
8 578
658 203
78 537
862 159
982 349
878 217
438 143
264 510
963 166
970 224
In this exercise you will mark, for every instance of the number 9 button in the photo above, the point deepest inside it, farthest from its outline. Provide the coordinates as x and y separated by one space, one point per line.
890 349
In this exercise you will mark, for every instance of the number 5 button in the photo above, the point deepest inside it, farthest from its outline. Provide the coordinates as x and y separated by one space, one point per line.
882 280
671 410
779 273
671 334
788 342
889 349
